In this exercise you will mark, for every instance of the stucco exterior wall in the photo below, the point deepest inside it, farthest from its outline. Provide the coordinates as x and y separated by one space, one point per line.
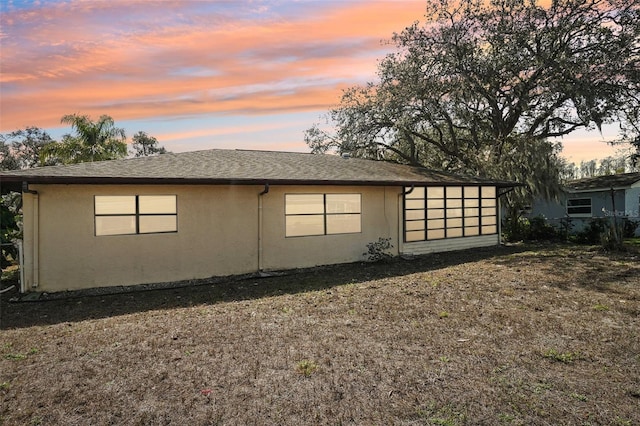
222 230
217 229
379 219
632 202
550 209
218 234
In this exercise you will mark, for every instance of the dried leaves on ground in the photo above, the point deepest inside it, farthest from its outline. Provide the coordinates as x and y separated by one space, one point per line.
518 335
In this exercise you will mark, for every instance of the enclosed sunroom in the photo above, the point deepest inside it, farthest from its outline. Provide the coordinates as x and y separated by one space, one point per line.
441 218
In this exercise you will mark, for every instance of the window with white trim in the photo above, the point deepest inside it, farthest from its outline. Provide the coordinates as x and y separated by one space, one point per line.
437 212
135 214
579 207
322 214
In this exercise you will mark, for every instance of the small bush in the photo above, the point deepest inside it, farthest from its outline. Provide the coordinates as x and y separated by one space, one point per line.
541 230
516 230
534 229
592 233
378 250
629 227
566 226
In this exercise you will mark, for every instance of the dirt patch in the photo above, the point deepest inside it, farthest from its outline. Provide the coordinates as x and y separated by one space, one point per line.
517 335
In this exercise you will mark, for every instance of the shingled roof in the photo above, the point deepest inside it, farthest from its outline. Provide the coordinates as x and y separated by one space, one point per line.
220 166
602 183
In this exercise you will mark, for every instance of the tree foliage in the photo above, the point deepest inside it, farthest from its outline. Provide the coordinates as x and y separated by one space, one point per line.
31 147
23 149
145 145
481 87
620 163
93 141
10 227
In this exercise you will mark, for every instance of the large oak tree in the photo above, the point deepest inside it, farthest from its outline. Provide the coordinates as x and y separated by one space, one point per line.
483 87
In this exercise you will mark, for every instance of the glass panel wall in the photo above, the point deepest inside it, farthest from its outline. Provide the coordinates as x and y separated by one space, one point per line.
438 212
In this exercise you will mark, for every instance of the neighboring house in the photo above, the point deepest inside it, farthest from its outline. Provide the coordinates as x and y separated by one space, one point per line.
223 212
597 197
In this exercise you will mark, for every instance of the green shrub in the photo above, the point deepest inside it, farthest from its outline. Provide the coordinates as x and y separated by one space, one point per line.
541 230
629 227
533 229
516 230
10 230
592 233
378 250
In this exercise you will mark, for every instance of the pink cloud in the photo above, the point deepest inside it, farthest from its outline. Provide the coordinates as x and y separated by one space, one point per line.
174 58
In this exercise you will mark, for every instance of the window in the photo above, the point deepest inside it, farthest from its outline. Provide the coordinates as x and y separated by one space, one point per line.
322 214
135 214
579 207
439 212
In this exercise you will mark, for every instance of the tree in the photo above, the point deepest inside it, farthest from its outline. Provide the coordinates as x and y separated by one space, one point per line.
7 160
588 169
611 165
481 88
633 142
32 146
145 145
569 171
607 166
8 223
93 141
23 149
10 227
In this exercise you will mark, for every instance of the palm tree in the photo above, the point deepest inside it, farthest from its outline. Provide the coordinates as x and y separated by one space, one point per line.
93 141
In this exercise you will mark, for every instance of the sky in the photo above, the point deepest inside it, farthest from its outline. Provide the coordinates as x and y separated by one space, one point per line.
201 74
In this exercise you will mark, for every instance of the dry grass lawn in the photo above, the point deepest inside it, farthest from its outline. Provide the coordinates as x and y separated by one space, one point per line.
522 335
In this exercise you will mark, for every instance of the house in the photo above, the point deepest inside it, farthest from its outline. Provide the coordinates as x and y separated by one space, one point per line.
596 197
212 213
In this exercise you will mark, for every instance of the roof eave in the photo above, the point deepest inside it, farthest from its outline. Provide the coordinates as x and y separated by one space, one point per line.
580 191
14 182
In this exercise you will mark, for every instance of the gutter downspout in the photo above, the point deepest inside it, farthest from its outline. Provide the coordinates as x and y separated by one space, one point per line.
36 232
409 191
261 226
499 212
23 284
401 219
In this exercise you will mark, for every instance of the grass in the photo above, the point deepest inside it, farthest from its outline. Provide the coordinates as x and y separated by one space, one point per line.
634 242
564 357
306 367
528 334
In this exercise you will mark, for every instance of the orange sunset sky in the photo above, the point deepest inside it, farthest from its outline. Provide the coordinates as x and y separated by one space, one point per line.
201 74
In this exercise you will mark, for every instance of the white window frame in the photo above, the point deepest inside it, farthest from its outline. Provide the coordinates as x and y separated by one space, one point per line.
574 214
137 215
